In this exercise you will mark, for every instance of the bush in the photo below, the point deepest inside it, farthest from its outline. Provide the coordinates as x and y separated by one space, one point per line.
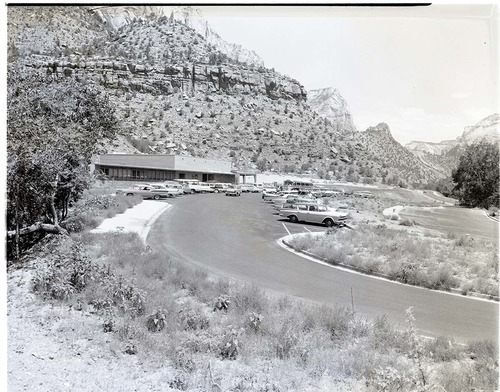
193 320
443 349
156 322
230 346
406 222
464 240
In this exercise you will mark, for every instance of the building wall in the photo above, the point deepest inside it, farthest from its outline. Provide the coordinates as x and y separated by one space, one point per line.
183 163
162 168
158 175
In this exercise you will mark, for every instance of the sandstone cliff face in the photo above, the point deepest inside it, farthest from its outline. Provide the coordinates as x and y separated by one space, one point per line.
488 128
168 79
329 104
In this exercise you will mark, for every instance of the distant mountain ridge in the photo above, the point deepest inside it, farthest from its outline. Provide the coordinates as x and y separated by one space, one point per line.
436 148
444 155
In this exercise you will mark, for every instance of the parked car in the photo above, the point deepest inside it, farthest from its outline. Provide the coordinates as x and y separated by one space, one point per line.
219 187
290 197
176 188
314 214
292 201
271 196
202 187
249 188
165 190
233 190
365 194
145 191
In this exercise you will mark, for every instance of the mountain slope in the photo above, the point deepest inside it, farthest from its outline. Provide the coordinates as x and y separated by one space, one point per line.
175 92
381 146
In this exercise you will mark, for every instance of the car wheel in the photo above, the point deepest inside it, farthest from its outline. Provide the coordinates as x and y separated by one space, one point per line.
156 197
293 219
328 222
130 194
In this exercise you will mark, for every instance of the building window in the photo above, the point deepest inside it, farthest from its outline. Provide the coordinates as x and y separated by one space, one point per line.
182 176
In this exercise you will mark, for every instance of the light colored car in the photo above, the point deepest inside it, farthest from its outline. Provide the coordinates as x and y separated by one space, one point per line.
249 188
145 191
174 187
292 197
165 190
292 201
314 214
220 187
233 190
271 196
202 187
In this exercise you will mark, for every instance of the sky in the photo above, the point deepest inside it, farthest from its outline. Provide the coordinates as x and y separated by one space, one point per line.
427 72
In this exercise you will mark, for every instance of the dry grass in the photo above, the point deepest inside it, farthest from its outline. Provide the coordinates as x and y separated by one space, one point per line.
255 341
470 265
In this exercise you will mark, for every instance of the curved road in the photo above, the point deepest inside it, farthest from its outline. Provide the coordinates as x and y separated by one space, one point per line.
236 237
457 220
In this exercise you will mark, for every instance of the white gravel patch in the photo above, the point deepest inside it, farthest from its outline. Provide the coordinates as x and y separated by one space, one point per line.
137 219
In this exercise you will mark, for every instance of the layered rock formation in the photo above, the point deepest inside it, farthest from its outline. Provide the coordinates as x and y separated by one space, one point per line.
329 103
168 79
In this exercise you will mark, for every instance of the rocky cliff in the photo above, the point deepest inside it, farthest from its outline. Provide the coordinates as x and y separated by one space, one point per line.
488 129
329 103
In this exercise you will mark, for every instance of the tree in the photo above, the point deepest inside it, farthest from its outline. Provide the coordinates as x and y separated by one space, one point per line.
477 176
53 129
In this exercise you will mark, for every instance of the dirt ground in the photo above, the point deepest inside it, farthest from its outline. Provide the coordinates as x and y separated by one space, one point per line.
49 351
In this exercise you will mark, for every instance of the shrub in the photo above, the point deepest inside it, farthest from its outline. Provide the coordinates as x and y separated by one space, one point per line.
222 303
464 240
336 321
156 322
443 349
286 340
254 321
230 345
67 270
193 320
406 222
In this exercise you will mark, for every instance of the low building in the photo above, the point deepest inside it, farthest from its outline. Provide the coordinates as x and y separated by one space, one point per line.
162 168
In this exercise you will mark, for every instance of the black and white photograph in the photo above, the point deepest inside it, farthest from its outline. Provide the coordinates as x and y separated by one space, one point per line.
267 197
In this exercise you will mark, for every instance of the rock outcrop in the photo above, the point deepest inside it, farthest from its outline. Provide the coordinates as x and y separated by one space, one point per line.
328 103
169 79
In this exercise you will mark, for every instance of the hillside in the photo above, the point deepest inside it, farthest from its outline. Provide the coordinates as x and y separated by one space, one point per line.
383 149
179 88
